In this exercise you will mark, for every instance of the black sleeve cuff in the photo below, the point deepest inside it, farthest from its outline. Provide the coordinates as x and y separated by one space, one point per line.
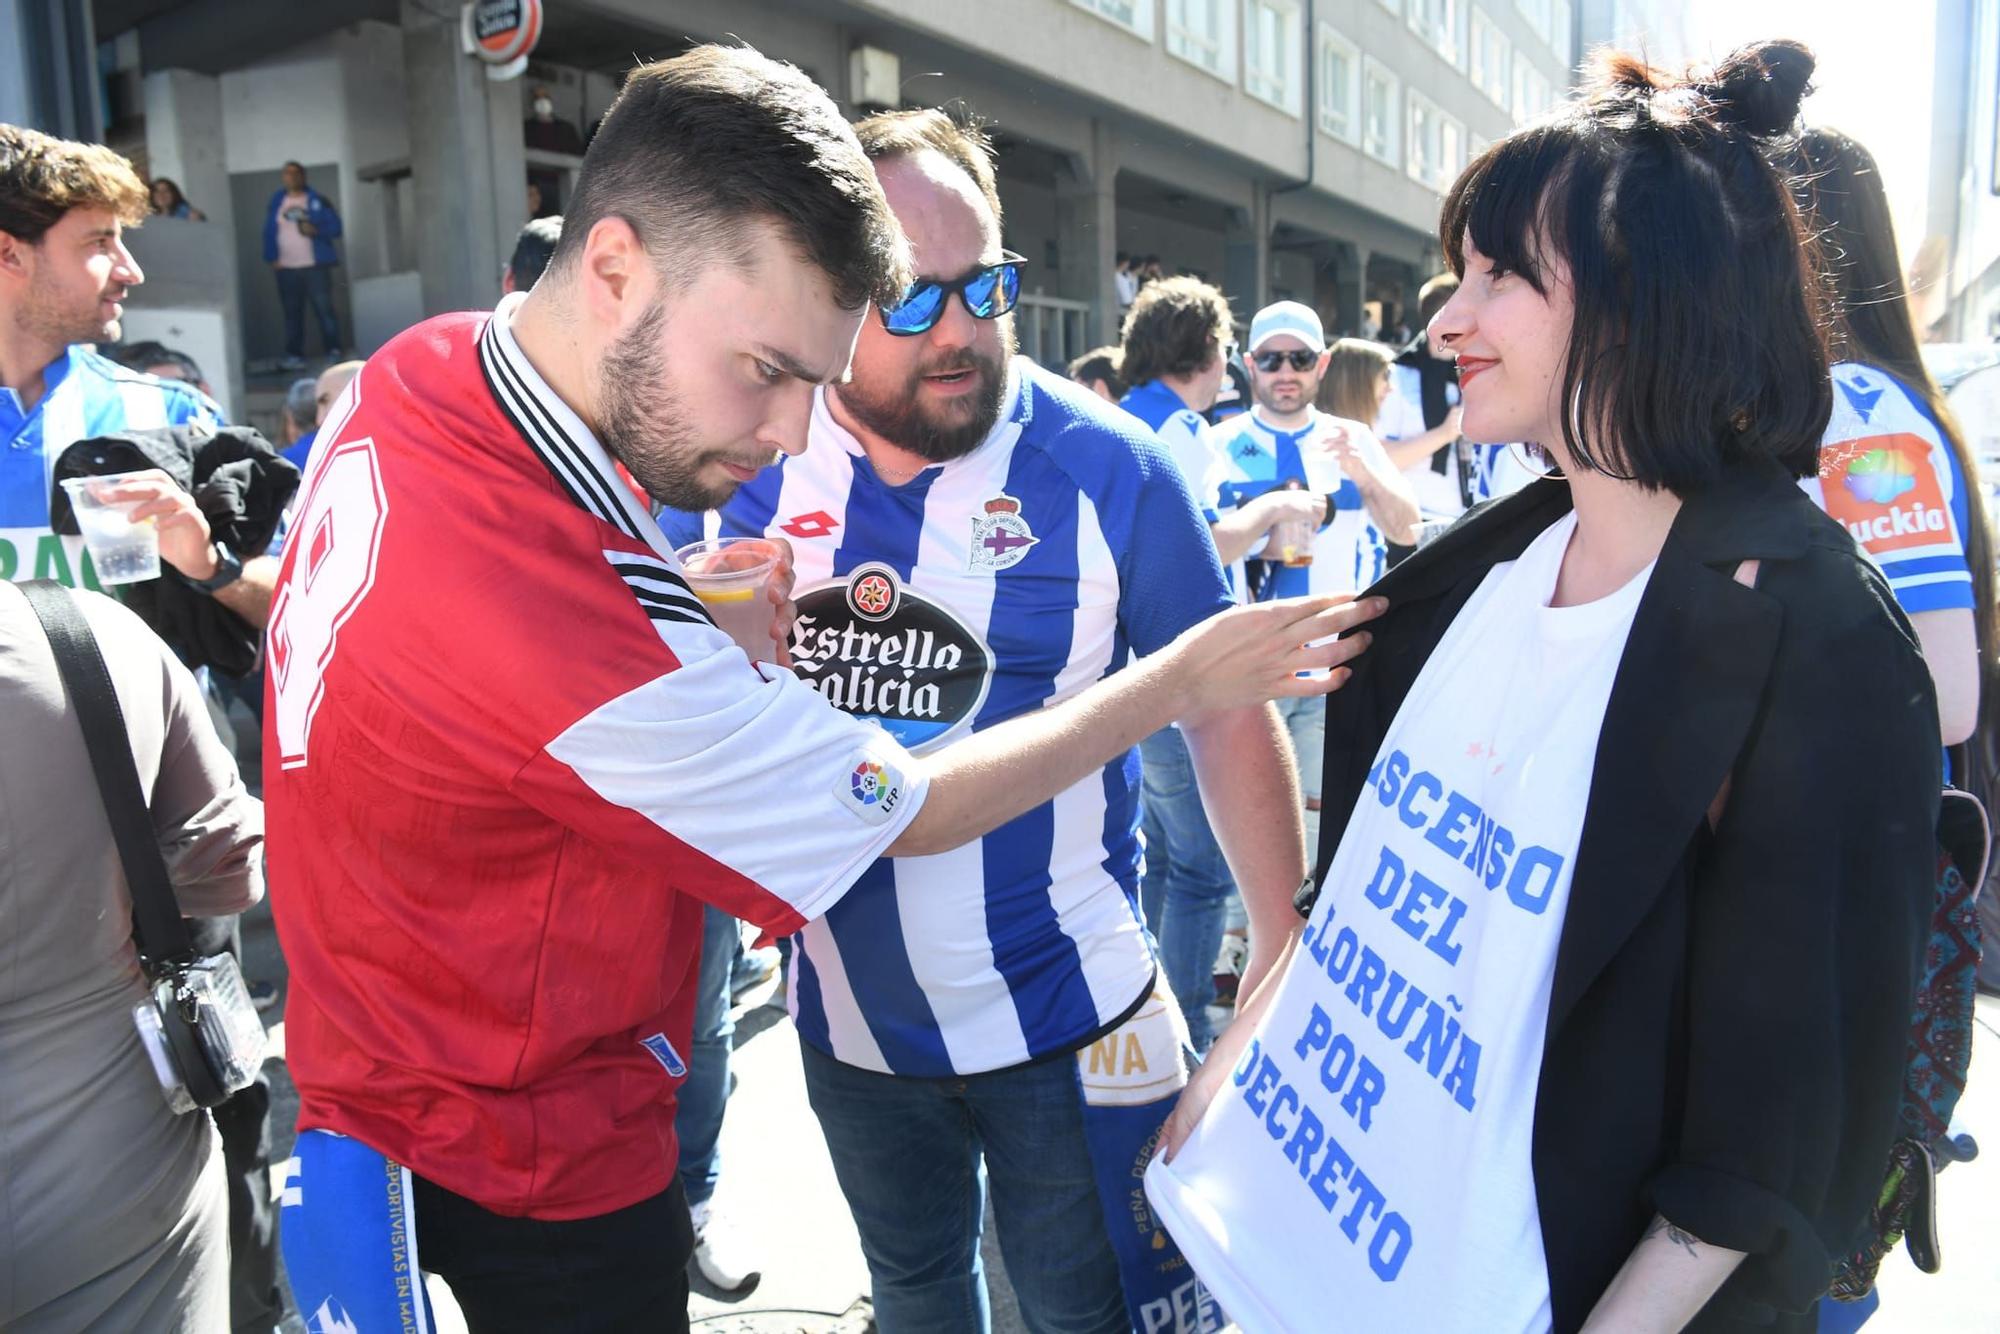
1787 1265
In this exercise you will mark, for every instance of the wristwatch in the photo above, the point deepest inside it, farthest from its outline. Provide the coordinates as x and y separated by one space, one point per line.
228 569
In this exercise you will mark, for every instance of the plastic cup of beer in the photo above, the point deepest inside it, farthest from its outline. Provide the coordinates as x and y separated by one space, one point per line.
122 551
1292 542
730 575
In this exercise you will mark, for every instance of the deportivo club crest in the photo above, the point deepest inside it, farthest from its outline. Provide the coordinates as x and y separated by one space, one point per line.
1000 536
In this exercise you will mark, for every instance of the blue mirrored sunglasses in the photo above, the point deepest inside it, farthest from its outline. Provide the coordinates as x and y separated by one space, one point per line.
988 293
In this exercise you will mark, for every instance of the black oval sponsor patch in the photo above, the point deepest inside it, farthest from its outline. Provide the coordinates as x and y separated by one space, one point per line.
879 650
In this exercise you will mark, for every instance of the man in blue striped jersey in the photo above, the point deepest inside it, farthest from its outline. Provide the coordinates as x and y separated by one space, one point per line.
975 539
1285 442
64 275
1177 342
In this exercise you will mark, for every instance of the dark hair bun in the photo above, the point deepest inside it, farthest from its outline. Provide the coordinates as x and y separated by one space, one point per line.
1759 87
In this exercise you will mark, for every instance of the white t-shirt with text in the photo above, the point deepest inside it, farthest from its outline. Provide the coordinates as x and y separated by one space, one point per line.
1368 1166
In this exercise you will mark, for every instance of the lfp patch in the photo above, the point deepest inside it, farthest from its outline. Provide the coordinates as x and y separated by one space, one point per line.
873 789
663 1052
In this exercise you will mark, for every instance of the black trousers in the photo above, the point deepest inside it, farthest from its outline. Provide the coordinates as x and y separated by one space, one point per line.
618 1273
255 1300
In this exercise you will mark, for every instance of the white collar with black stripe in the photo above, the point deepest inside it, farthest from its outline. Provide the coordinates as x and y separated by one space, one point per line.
570 450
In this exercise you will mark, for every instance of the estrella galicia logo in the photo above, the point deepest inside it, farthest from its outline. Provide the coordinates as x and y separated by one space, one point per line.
881 650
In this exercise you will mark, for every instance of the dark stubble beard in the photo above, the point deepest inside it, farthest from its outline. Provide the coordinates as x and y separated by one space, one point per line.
41 316
897 414
643 420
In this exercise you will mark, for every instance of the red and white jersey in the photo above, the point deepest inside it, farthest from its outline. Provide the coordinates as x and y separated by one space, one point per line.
507 758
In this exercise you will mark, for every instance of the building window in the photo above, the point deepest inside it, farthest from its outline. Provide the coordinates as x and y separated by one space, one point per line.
1436 21
1202 33
1422 137
1492 58
1561 16
1531 91
1133 15
1437 143
1539 14
1271 52
1451 149
1380 95
1339 85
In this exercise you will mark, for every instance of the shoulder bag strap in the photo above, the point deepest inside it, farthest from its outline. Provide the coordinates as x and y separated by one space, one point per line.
156 915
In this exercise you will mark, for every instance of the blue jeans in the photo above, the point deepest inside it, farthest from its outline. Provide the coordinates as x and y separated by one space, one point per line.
907 1153
1187 887
298 288
1305 721
705 1093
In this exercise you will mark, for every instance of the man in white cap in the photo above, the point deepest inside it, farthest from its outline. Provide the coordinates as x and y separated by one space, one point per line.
1285 443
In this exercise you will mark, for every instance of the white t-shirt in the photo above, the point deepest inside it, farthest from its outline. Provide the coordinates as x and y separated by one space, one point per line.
1369 1165
1402 418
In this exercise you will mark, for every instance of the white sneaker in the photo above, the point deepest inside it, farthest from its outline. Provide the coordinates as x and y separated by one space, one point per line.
716 1255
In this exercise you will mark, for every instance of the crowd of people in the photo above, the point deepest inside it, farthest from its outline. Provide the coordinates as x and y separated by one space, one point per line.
1311 832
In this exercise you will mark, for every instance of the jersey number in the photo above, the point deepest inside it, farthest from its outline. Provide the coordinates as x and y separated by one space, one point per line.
337 536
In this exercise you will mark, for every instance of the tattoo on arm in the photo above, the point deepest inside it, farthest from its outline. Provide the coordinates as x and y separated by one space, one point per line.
1680 1237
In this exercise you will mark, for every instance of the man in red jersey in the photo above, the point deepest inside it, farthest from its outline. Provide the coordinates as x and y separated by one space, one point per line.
509 756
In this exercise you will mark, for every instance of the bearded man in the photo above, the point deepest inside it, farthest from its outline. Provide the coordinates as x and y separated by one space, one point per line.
510 756
977 539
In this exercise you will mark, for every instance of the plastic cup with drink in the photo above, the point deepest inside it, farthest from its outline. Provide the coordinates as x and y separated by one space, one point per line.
730 576
1292 539
123 552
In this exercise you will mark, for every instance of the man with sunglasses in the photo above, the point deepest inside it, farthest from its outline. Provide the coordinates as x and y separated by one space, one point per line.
1284 443
976 539
1178 340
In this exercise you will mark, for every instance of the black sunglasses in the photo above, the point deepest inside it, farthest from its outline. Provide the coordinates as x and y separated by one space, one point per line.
988 292
1302 359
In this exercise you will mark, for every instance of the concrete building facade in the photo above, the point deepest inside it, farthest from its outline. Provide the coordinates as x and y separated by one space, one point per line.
1960 264
1294 148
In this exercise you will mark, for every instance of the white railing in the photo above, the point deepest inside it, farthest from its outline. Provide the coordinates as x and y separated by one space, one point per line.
1053 330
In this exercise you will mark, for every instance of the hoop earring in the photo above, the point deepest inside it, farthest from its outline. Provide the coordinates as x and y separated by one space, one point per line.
1535 460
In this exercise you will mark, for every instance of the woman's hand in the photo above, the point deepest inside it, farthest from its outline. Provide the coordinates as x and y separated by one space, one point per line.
1220 1063
1207 1081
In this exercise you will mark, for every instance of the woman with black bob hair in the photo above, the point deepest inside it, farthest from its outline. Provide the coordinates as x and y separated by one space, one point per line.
1597 1020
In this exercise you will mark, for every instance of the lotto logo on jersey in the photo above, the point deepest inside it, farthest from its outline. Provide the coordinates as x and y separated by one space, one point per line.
1886 492
874 790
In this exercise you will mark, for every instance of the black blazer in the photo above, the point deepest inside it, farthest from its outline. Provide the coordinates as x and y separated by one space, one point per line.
1726 1032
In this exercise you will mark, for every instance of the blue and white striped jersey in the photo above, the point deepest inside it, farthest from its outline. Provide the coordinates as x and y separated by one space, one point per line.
83 395
984 588
1887 472
1349 551
1189 439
